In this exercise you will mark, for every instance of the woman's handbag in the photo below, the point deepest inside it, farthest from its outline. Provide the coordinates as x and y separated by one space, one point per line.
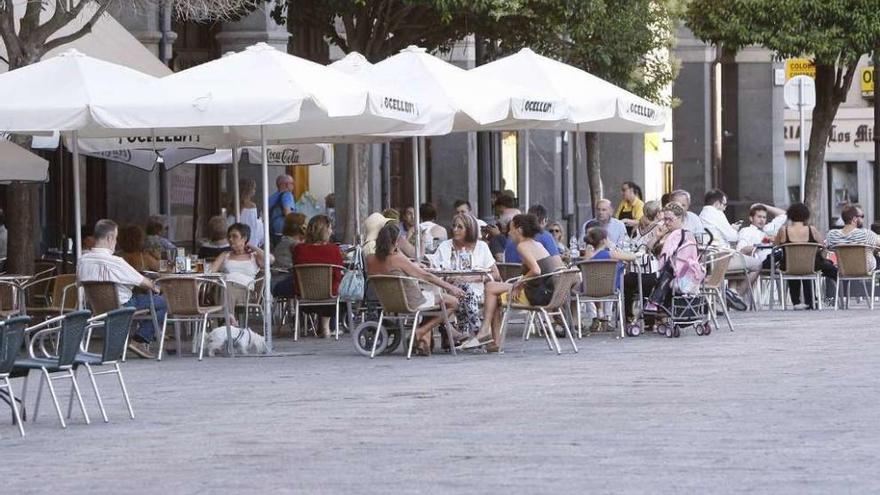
351 288
539 292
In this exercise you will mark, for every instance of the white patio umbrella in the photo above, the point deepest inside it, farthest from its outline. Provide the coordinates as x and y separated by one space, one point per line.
593 104
20 165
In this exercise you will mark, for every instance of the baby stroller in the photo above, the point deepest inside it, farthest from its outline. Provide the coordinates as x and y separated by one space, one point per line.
676 303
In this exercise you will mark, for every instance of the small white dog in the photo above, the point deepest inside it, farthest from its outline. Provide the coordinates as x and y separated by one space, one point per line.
244 341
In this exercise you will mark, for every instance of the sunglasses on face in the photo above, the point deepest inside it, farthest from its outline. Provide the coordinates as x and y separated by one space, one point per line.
555 231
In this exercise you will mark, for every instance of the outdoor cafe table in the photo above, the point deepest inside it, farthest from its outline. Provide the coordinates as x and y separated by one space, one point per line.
217 277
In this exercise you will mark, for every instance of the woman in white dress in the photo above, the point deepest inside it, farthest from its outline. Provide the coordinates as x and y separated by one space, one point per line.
249 216
466 248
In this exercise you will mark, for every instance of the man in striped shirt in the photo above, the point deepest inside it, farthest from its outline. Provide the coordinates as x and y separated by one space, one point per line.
100 265
854 232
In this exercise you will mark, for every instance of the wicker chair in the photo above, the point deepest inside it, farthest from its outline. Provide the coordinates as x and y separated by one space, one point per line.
800 264
315 284
182 296
102 297
63 296
254 300
564 281
11 338
743 274
69 329
852 265
391 291
39 291
600 286
713 285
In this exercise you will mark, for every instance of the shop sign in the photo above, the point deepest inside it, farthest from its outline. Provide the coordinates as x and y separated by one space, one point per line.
853 136
799 67
866 77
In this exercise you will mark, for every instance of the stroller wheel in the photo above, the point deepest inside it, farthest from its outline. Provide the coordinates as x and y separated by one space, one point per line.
676 332
633 330
394 338
666 330
364 335
698 329
707 328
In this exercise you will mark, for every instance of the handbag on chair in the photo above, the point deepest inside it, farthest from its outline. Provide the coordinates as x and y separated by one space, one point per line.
351 288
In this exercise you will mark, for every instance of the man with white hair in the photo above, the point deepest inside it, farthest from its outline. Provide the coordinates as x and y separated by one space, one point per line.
604 211
692 222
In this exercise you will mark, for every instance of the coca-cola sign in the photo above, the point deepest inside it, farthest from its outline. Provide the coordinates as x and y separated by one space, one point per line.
283 156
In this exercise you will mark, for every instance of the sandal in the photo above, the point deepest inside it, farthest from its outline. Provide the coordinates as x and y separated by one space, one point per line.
474 342
422 349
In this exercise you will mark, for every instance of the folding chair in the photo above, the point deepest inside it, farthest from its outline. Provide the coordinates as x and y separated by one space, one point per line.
70 329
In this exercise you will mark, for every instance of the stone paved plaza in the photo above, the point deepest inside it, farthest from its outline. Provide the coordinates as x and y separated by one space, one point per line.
786 404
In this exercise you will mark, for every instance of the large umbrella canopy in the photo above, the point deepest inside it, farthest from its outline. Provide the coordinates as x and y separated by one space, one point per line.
593 104
19 164
460 100
224 102
58 94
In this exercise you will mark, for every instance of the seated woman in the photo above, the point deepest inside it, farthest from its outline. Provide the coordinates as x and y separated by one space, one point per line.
131 244
798 230
679 246
598 248
240 264
317 248
216 242
466 243
648 227
388 260
293 233
536 261
555 229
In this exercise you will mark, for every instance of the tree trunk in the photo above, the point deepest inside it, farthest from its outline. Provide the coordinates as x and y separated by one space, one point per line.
594 167
356 192
822 121
21 221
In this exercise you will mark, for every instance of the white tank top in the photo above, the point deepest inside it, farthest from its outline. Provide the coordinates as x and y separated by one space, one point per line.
242 272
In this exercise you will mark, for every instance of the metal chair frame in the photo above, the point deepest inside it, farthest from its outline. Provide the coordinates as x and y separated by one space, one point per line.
111 355
854 273
200 319
61 363
713 287
813 276
96 291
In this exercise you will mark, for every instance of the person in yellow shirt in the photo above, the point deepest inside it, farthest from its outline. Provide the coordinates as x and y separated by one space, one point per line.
631 208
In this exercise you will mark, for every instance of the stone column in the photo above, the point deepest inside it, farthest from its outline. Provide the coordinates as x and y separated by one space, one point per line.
691 120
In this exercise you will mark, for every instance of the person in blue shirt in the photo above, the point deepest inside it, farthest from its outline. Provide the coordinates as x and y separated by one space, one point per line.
615 229
544 237
600 248
281 203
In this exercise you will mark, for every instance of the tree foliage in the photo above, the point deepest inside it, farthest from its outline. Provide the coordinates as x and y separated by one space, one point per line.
835 34
380 28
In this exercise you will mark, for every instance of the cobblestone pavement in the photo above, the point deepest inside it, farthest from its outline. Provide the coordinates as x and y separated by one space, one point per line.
786 404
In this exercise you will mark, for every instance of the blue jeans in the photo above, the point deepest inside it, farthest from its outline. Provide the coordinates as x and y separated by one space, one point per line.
146 331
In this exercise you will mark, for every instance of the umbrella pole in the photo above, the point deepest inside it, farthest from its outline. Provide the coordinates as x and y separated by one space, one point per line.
526 164
77 214
235 192
357 191
416 195
267 272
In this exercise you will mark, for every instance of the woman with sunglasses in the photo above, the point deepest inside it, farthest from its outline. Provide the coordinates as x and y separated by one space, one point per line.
555 229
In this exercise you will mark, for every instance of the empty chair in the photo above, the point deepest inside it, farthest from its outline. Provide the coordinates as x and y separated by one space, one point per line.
69 330
563 282
713 285
114 327
11 338
182 296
